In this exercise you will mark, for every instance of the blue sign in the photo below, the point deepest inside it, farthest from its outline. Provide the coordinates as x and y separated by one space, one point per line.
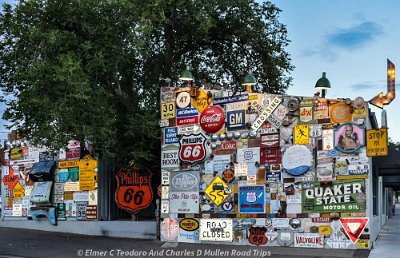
171 135
231 99
251 199
236 120
185 112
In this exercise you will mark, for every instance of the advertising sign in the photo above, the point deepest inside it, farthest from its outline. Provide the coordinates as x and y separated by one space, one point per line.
212 119
68 164
327 139
236 120
248 155
192 148
340 196
187 116
218 230
226 100
91 212
270 156
200 101
189 230
251 199
134 190
60 211
184 192
377 142
297 160
340 113
309 240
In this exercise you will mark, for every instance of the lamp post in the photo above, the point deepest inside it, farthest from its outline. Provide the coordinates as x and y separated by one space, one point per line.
323 84
248 81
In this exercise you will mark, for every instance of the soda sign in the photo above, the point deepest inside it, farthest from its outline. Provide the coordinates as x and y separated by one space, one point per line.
212 119
192 148
134 191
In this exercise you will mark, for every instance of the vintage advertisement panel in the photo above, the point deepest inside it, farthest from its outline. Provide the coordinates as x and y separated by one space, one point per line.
184 192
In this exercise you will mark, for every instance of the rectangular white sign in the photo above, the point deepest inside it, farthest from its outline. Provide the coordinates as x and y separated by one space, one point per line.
219 230
310 240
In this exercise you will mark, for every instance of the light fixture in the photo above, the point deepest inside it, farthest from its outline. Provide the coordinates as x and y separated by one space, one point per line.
323 84
186 75
248 81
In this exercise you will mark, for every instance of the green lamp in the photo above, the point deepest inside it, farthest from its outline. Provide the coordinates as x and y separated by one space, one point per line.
323 84
186 75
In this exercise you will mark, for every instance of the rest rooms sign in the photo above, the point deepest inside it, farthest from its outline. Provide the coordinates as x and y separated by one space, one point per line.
216 230
341 196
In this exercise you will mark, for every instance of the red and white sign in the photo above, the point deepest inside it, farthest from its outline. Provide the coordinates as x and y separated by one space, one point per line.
212 119
191 120
192 148
310 240
270 140
270 156
354 227
231 145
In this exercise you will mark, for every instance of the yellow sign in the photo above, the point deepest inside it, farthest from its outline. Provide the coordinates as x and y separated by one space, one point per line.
68 164
87 163
201 101
19 191
325 230
360 112
377 142
87 180
363 244
218 191
167 110
301 134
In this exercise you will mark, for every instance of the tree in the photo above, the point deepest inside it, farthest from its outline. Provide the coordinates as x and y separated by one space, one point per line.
89 70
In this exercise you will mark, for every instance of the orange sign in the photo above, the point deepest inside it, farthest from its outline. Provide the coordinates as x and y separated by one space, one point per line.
340 113
354 227
10 180
134 191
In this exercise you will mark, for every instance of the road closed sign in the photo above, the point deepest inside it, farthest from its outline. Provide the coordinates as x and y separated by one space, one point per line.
220 230
377 142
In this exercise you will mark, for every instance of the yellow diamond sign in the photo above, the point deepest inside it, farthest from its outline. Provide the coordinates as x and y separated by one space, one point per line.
201 101
218 191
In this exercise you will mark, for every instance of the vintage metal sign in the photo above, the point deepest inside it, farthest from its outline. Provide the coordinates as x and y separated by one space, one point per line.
301 134
310 240
134 190
91 212
220 230
218 191
201 101
236 120
354 227
212 119
340 196
189 231
251 199
257 236
192 148
169 157
297 160
377 142
68 164
184 192
226 100
349 137
183 99
81 210
171 135
187 116
248 155
340 113
266 113
169 229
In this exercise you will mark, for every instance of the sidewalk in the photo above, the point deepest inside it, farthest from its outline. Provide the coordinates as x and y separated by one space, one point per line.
32 243
388 242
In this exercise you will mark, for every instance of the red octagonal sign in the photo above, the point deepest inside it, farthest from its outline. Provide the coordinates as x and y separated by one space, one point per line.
212 119
192 148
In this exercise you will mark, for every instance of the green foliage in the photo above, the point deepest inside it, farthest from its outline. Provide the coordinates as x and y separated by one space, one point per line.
90 69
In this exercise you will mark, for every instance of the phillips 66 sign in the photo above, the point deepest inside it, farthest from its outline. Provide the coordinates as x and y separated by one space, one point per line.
192 148
134 191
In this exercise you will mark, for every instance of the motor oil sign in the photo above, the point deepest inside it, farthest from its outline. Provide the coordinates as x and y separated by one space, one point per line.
134 191
192 148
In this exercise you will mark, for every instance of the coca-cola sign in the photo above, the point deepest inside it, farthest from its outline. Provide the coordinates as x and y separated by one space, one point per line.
231 145
212 119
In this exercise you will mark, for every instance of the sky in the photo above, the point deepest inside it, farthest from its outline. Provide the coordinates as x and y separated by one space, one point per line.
350 40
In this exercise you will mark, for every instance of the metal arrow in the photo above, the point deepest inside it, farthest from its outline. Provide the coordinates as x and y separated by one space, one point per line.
380 100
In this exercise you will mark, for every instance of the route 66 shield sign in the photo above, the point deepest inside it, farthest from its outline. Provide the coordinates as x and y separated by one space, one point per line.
134 191
192 148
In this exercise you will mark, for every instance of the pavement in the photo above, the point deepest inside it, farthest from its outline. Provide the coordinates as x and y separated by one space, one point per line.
33 243
388 242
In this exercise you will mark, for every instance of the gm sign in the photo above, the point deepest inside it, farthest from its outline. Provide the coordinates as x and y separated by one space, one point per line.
236 120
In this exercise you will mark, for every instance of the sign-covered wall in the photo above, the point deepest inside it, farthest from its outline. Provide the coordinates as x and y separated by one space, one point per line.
262 169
